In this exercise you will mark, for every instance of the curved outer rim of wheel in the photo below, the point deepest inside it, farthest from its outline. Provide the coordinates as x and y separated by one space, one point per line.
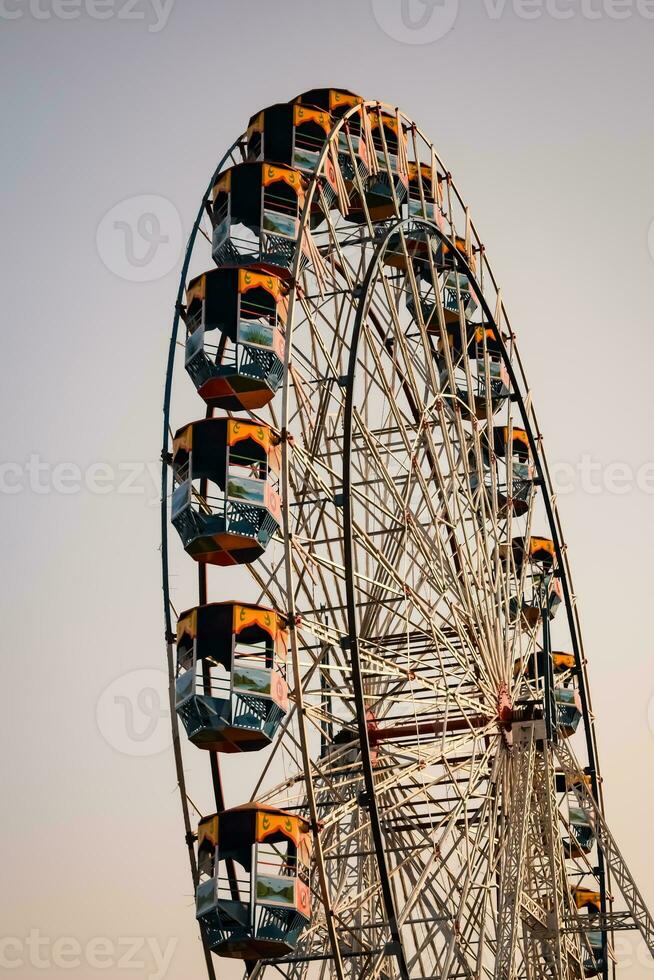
371 274
170 367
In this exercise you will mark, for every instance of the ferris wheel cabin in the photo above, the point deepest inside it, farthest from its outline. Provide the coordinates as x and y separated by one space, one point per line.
255 214
385 188
244 309
416 244
492 376
457 293
568 710
587 898
424 193
225 505
458 287
511 445
590 900
253 897
332 100
563 665
231 692
490 379
288 133
505 453
580 839
534 563
533 551
352 156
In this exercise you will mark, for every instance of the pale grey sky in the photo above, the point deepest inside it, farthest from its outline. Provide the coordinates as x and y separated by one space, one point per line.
544 119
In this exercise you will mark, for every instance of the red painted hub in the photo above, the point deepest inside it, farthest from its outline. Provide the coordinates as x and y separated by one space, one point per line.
504 708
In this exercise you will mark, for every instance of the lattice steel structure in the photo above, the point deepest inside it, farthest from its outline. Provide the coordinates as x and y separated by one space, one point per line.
416 563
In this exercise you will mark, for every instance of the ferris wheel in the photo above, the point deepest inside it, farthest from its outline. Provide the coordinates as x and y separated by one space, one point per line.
382 723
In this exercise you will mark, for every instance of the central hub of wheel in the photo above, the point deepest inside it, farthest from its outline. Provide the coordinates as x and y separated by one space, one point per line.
504 709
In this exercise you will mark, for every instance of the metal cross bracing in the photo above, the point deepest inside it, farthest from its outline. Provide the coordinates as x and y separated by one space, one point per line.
514 867
407 657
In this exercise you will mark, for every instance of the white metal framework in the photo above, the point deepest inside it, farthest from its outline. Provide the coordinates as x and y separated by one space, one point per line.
426 740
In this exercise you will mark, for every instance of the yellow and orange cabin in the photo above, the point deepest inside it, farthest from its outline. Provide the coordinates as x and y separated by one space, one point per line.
253 897
587 898
226 505
515 484
535 550
386 183
231 690
353 151
289 133
255 213
244 308
332 100
424 193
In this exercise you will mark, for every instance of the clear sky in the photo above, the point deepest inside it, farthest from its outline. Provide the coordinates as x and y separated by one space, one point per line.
543 112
